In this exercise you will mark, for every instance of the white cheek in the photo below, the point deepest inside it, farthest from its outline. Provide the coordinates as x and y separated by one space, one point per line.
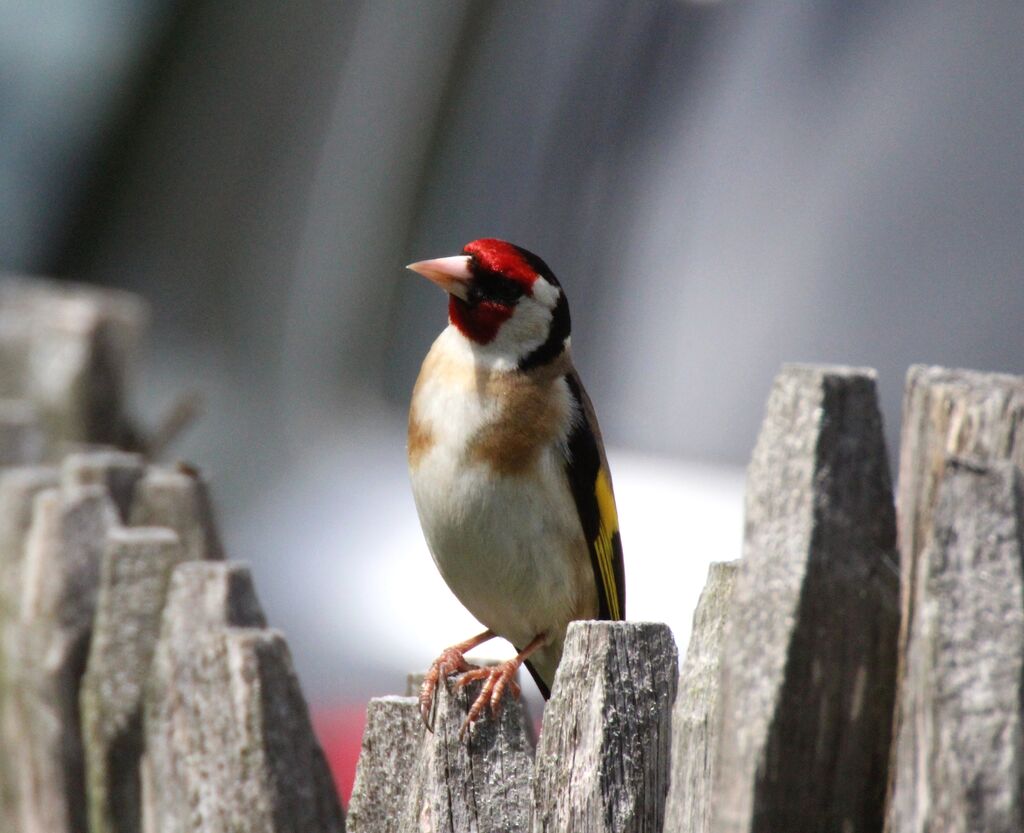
526 329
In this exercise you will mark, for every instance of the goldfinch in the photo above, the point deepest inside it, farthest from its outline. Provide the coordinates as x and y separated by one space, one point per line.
508 470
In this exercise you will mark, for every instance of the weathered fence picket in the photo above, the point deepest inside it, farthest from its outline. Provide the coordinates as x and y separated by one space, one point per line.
18 488
480 781
60 579
960 756
229 744
696 714
392 741
947 414
603 756
808 667
137 565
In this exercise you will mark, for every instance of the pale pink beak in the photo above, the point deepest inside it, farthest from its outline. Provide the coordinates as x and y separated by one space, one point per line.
452 274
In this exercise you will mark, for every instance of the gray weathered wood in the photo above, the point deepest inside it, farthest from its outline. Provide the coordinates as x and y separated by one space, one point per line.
229 742
116 471
949 413
695 715
136 570
392 743
60 579
808 669
481 782
178 498
68 350
946 413
202 597
18 488
603 758
959 761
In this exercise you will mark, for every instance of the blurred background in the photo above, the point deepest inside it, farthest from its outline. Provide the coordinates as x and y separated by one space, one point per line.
720 186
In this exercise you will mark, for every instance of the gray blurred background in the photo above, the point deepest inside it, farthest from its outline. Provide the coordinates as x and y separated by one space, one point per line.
721 187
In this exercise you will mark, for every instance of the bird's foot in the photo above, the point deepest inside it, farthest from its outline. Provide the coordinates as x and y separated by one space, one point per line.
496 679
451 661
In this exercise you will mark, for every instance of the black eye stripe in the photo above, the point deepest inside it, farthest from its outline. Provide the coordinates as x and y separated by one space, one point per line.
494 287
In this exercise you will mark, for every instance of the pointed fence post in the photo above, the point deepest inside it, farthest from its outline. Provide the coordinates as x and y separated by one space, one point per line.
60 579
808 670
228 737
946 413
696 713
136 571
603 759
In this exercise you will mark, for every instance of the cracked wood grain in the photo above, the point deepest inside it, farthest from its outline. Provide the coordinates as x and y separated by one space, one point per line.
480 783
959 755
603 758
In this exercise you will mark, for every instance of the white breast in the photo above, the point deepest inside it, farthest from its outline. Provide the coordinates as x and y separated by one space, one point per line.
509 546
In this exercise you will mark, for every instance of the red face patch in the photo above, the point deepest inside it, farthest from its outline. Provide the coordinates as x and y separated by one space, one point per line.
479 322
504 259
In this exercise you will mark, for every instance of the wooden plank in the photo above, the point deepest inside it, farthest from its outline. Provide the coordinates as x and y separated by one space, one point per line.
203 596
136 571
946 413
18 488
603 758
695 715
391 749
61 575
808 670
482 781
960 750
229 742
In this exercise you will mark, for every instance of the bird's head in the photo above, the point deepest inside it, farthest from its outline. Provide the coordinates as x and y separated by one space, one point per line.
503 299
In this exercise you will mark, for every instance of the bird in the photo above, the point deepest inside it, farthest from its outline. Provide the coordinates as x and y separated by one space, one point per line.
508 471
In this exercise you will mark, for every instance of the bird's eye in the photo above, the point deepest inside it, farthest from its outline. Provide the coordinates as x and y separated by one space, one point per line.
494 287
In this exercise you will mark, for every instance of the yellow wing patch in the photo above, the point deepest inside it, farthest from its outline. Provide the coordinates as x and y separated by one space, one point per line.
608 526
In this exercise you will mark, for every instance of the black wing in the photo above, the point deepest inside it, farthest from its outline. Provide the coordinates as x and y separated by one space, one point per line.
591 484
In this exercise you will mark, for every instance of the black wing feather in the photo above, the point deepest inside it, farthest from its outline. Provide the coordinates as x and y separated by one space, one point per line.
588 474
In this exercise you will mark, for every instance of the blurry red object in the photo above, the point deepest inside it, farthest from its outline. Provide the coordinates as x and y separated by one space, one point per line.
340 731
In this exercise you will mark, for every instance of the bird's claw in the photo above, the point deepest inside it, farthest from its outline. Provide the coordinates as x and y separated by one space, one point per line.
496 679
451 661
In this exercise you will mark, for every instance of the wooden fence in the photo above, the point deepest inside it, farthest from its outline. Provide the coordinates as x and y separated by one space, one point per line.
833 681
